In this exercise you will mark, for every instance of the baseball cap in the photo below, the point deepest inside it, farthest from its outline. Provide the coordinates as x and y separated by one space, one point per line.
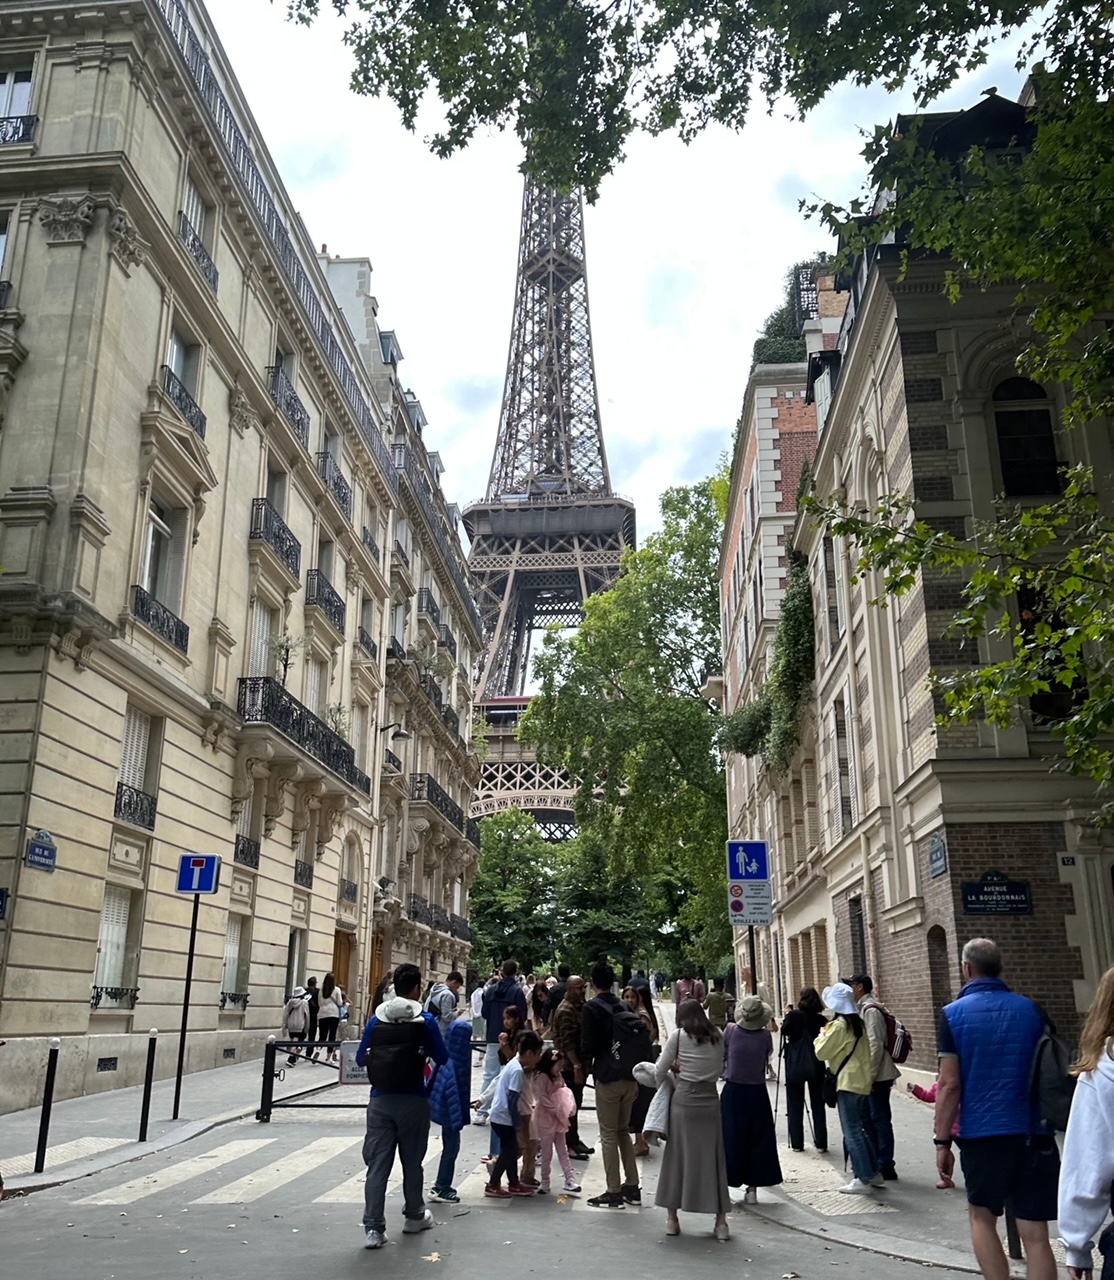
859 980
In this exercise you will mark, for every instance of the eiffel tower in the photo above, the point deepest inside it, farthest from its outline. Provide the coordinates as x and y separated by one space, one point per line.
549 532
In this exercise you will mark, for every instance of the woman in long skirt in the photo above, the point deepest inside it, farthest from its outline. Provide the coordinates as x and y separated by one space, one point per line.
693 1172
749 1138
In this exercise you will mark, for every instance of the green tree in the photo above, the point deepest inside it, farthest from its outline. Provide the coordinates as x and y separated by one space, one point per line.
511 904
619 706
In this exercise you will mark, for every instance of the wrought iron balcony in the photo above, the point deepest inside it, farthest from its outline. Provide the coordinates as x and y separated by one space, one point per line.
441 921
402 553
329 470
472 833
460 929
286 398
368 645
268 525
158 618
451 719
432 692
263 700
396 649
5 294
16 129
247 852
349 891
238 999
428 606
391 761
178 395
121 997
321 595
135 806
303 873
371 544
447 641
420 911
423 787
195 247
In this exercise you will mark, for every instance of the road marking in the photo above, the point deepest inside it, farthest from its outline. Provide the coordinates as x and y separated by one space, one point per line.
351 1191
64 1153
176 1174
253 1186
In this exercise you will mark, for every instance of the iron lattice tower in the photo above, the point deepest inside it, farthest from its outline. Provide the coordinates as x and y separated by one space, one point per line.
549 532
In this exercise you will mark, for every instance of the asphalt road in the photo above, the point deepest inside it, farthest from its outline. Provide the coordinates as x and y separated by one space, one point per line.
249 1201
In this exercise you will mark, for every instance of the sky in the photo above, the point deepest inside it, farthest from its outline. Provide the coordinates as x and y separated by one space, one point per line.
687 246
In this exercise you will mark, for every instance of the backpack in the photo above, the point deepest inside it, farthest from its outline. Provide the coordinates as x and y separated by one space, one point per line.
630 1045
396 1058
899 1043
296 1016
1050 1086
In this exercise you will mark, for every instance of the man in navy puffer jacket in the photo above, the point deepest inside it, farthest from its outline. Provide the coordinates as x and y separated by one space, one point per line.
986 1041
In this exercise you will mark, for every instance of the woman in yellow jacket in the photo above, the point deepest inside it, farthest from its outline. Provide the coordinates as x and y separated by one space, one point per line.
843 1045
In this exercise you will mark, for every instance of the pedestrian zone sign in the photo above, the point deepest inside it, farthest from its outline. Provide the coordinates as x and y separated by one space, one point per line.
199 873
748 860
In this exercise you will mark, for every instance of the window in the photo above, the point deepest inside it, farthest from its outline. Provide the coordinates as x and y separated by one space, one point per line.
5 218
15 92
237 954
182 359
295 959
261 659
843 771
1059 700
317 683
136 750
276 489
164 554
331 442
857 924
114 975
359 734
1026 440
836 621
195 210
325 558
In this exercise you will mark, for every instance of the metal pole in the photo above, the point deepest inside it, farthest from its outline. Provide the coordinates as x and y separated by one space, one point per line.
753 962
263 1115
186 1007
48 1102
148 1080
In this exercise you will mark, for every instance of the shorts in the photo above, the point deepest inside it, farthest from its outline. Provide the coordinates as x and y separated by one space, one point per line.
1012 1172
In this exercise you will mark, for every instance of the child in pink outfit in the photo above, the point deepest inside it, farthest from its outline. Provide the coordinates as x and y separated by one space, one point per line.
929 1095
554 1107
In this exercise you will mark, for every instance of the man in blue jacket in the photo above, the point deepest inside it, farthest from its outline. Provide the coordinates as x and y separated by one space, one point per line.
986 1042
399 1043
497 996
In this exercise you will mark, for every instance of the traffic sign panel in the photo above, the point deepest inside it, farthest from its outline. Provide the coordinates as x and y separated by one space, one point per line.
748 860
198 873
753 906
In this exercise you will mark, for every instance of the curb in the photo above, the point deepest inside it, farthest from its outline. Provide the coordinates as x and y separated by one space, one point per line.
27 1183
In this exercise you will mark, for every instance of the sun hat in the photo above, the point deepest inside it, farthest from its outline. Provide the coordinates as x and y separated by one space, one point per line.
840 998
298 993
752 1013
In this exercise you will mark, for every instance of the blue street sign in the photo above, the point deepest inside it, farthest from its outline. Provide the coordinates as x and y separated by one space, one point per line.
199 873
748 860
3 904
42 852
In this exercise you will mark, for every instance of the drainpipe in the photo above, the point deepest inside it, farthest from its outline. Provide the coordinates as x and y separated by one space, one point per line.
871 918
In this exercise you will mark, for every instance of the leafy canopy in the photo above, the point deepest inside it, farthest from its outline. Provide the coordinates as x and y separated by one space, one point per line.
511 903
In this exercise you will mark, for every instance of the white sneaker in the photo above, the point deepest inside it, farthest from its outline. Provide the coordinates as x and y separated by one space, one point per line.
750 1196
878 1181
480 1118
856 1187
413 1225
572 1188
375 1240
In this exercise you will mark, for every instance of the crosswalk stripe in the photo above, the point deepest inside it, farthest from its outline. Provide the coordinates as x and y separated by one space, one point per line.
253 1186
351 1191
175 1175
63 1153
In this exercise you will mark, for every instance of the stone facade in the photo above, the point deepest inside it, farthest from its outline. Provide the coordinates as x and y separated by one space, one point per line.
234 612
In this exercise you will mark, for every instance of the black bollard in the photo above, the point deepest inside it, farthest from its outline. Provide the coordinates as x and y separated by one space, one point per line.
48 1102
263 1115
148 1080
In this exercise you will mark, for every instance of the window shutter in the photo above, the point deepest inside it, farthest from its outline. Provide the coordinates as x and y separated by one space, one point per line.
174 561
112 942
194 208
313 688
133 755
243 822
261 663
232 953
359 734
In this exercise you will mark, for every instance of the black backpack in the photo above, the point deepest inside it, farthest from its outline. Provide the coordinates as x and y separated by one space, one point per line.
1051 1087
396 1058
630 1045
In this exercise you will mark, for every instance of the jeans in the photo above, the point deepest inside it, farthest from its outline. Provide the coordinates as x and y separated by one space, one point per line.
614 1102
450 1149
395 1121
492 1067
508 1156
880 1123
572 1137
795 1112
854 1115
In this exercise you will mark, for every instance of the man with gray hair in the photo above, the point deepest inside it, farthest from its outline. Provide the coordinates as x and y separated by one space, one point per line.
986 1041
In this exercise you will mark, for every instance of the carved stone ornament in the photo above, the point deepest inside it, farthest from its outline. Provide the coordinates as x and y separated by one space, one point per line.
251 763
241 416
66 219
333 807
125 243
307 799
274 803
418 827
78 645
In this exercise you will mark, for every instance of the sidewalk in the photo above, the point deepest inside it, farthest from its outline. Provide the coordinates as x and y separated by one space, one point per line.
99 1131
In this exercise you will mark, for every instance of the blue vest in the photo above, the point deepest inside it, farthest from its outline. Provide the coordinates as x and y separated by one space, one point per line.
996 1033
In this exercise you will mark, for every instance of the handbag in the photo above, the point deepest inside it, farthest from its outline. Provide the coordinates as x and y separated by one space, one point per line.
831 1079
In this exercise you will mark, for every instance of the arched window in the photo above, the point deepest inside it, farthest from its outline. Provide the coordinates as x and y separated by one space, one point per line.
1026 439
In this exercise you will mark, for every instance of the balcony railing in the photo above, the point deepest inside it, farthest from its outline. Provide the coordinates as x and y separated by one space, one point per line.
424 787
428 606
247 852
5 294
420 911
286 398
320 593
238 999
396 649
432 692
368 645
329 470
158 618
447 641
121 997
349 891
264 701
472 833
303 873
15 129
400 551
451 719
267 524
135 806
441 921
391 761
178 395
195 247
371 544
460 929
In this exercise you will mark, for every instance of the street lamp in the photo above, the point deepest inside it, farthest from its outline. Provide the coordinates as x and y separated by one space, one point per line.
400 734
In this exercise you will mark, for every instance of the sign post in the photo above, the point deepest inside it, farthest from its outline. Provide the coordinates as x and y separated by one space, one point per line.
197 874
749 895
